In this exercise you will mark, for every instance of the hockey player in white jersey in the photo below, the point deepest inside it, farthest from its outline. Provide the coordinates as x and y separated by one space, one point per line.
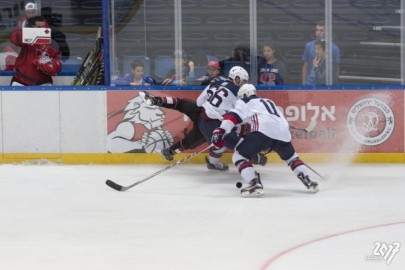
216 100
269 130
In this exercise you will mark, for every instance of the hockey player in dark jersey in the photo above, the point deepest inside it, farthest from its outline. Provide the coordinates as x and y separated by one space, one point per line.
194 137
36 63
269 129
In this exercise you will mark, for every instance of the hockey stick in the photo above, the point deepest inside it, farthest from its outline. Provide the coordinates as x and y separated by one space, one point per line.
308 129
315 172
118 187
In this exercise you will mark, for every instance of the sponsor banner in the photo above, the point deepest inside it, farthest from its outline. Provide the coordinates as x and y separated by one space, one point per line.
339 121
349 121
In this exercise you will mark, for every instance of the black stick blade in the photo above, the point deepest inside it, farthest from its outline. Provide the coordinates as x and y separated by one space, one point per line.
113 185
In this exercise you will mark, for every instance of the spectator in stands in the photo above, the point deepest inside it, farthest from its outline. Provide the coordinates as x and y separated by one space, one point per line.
30 10
36 63
184 66
319 64
213 74
308 77
54 22
271 66
240 57
136 78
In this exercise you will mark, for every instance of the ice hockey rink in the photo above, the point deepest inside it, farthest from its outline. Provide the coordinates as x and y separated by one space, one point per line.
65 217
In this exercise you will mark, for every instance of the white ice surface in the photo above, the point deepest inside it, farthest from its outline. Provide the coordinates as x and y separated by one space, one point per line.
59 217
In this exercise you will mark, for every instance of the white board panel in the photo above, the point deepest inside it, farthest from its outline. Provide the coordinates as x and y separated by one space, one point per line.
31 122
83 121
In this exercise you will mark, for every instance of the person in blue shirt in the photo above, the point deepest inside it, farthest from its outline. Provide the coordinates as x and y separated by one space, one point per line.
271 66
136 78
319 64
307 75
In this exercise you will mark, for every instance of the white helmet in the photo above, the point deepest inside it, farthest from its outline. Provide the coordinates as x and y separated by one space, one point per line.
30 6
247 90
240 72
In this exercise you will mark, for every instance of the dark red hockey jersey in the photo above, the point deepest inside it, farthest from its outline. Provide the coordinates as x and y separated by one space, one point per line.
37 63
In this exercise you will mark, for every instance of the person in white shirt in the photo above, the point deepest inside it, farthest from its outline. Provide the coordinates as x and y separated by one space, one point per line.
217 99
269 130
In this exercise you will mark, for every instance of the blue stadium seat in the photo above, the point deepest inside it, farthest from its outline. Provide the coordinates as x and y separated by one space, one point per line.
71 65
200 71
163 64
128 59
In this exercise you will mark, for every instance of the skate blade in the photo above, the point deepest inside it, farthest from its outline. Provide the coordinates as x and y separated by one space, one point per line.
314 189
145 98
256 193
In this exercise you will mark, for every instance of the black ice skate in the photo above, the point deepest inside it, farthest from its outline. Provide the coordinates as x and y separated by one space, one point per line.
150 100
217 166
312 186
254 189
166 153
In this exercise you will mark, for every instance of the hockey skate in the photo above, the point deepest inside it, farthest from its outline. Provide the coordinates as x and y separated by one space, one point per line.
166 153
218 166
254 189
150 100
311 185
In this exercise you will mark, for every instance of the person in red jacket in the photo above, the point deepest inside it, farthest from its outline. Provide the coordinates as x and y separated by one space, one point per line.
36 63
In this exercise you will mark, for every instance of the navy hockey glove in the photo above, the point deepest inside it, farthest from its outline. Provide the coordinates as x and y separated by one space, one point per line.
218 137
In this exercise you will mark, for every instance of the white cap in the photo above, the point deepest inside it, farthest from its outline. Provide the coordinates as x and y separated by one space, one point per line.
30 6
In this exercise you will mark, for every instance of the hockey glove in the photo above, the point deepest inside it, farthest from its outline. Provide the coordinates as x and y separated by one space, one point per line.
48 66
218 137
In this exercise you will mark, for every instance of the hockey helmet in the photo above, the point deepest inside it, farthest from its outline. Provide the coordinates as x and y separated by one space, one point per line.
240 72
247 90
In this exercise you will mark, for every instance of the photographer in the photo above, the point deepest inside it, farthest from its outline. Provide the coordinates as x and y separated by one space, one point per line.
36 63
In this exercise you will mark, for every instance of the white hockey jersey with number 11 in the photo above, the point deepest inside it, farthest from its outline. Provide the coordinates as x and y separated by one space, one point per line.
263 116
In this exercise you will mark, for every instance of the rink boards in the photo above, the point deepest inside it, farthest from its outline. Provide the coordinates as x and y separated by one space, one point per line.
81 125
